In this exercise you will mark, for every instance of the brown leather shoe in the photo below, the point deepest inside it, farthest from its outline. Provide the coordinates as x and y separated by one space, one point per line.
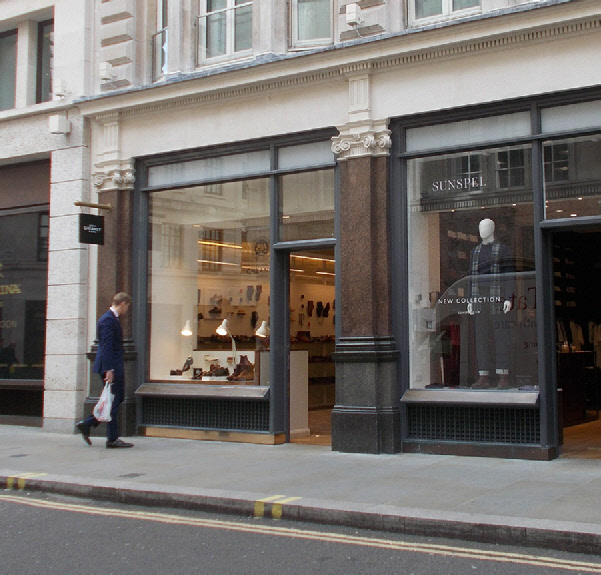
85 431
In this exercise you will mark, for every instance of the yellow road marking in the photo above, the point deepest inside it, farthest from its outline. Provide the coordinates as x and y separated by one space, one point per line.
260 504
276 508
20 480
442 550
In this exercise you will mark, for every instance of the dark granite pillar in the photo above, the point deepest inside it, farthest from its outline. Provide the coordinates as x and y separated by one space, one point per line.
115 267
366 416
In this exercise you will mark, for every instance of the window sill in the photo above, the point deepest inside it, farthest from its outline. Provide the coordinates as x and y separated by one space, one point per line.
196 390
34 109
511 397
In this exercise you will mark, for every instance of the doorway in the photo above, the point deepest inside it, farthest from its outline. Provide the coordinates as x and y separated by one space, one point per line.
312 300
576 281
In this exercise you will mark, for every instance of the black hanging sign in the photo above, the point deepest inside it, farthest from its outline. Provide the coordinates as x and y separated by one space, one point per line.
91 229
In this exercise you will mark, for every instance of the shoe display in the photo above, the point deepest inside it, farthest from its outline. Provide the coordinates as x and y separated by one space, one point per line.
117 444
187 364
85 431
215 311
483 382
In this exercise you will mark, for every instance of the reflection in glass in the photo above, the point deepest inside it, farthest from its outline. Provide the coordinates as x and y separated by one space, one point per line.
472 279
307 205
572 177
23 284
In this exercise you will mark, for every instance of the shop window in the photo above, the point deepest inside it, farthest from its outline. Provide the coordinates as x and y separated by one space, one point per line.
159 40
225 28
572 177
307 205
45 61
311 22
423 9
223 274
8 69
23 285
472 294
43 230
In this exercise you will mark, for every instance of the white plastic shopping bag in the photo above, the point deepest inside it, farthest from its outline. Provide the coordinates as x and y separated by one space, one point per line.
102 411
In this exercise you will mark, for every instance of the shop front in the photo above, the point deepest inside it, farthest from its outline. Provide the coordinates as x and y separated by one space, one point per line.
24 215
497 307
238 246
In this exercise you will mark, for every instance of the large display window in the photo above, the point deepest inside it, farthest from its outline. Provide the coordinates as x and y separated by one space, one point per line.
209 250
472 294
23 281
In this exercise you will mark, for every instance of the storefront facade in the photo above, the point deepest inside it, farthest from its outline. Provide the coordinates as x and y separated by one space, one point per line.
387 209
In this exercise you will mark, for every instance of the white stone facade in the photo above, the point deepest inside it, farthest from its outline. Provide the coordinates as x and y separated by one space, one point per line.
26 136
389 65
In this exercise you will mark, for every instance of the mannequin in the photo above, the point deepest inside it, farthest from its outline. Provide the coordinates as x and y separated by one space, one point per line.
491 292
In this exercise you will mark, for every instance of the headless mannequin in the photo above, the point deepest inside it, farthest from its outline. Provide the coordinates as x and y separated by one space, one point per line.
486 229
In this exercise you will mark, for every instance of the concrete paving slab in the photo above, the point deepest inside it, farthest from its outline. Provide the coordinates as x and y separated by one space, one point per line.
549 504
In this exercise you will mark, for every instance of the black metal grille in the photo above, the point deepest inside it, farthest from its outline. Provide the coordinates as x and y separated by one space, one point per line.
474 424
206 413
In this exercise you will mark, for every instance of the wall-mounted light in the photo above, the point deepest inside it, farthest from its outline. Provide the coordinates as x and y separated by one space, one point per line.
187 330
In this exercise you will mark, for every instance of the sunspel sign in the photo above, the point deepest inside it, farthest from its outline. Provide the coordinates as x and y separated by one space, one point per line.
91 229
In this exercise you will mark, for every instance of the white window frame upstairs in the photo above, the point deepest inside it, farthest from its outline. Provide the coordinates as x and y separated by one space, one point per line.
229 14
299 43
447 12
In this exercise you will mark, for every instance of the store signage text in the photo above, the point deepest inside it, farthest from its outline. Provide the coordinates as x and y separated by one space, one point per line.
523 302
10 289
7 323
458 184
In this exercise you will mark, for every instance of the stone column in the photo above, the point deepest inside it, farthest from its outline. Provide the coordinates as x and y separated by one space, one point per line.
366 415
114 180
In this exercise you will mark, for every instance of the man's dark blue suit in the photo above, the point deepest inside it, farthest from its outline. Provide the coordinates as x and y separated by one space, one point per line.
110 357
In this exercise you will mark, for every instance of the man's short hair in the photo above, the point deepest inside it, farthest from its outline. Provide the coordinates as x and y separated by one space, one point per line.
120 298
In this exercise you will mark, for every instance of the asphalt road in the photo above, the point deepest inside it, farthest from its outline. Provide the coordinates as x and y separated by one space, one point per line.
45 534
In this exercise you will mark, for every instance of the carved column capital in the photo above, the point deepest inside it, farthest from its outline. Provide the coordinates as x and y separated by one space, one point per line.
114 176
358 141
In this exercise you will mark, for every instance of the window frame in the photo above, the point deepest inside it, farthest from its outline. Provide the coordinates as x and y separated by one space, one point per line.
295 42
230 32
14 32
40 95
447 12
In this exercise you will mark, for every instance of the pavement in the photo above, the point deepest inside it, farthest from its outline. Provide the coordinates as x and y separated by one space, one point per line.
551 504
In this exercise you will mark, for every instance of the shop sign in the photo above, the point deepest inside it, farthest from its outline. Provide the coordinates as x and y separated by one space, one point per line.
457 184
91 229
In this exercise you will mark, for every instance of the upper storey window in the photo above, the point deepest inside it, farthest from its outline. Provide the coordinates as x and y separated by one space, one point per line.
311 22
45 61
225 29
8 69
436 9
159 41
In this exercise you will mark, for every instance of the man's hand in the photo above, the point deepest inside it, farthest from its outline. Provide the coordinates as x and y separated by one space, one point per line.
109 376
507 305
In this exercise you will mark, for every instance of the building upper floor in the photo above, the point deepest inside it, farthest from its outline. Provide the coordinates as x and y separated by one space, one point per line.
44 47
64 50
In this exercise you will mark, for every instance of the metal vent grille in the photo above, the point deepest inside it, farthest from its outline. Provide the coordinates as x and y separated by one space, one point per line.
206 413
474 424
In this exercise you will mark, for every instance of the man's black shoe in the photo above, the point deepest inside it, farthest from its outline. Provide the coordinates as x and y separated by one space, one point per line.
85 431
118 443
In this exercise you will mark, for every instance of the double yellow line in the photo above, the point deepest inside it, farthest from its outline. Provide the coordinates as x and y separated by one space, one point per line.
271 530
20 481
276 502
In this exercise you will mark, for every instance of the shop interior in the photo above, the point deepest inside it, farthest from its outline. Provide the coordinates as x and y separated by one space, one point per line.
577 275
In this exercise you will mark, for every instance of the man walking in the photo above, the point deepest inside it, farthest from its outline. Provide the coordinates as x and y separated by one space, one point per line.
109 364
